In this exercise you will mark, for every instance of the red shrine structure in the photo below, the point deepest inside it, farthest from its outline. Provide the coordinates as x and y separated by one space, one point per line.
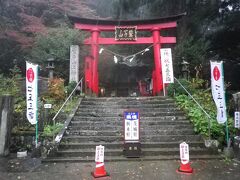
125 33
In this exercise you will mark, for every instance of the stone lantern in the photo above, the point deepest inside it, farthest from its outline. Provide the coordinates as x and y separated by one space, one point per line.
184 68
50 67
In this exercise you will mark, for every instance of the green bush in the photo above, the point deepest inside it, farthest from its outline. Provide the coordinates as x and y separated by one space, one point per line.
52 130
199 118
69 88
176 89
8 86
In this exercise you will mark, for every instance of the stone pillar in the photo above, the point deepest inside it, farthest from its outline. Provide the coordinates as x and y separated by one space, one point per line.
236 98
74 63
6 110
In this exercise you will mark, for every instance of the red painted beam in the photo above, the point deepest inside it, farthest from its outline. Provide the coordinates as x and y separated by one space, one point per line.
168 40
140 40
141 27
106 41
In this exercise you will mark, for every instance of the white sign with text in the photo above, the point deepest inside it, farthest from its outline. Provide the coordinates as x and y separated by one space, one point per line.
74 63
237 119
99 155
184 153
131 126
47 106
167 66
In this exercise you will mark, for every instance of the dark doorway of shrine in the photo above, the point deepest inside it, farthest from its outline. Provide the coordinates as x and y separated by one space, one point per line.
123 78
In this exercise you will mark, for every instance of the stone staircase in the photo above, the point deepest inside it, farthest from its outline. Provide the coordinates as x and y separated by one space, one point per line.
100 121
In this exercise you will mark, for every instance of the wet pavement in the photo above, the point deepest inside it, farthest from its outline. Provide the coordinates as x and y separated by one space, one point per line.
12 168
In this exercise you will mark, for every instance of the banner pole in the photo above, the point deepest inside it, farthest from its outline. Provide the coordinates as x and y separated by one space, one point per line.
36 134
226 123
32 96
37 107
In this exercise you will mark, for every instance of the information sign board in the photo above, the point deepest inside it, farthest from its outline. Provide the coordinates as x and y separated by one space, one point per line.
47 106
126 33
237 119
131 126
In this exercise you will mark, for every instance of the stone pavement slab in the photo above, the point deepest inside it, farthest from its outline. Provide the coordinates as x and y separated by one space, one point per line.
32 169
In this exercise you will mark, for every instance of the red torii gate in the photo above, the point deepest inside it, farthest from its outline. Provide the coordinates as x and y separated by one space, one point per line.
96 26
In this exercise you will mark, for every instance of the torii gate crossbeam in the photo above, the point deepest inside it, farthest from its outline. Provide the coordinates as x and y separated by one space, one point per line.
96 26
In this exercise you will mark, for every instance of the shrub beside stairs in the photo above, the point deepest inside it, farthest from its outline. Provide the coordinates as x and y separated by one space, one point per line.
99 121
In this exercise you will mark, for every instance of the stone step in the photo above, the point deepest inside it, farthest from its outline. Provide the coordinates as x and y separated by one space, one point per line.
77 126
152 100
122 158
142 118
119 152
120 133
118 145
112 110
125 103
174 151
127 99
120 123
97 121
120 114
152 138
126 106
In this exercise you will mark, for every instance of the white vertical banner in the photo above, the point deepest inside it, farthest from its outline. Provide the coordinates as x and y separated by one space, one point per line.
237 119
218 93
32 92
167 66
74 63
99 155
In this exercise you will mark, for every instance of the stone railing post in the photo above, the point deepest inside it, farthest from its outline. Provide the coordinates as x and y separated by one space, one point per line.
236 98
6 110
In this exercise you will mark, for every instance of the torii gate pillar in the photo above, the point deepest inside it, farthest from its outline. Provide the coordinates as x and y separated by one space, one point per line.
157 81
95 55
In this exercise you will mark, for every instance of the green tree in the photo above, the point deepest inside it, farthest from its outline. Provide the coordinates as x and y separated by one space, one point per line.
55 44
192 51
225 36
10 50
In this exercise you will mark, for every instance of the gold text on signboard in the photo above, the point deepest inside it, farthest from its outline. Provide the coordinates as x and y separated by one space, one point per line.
126 33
